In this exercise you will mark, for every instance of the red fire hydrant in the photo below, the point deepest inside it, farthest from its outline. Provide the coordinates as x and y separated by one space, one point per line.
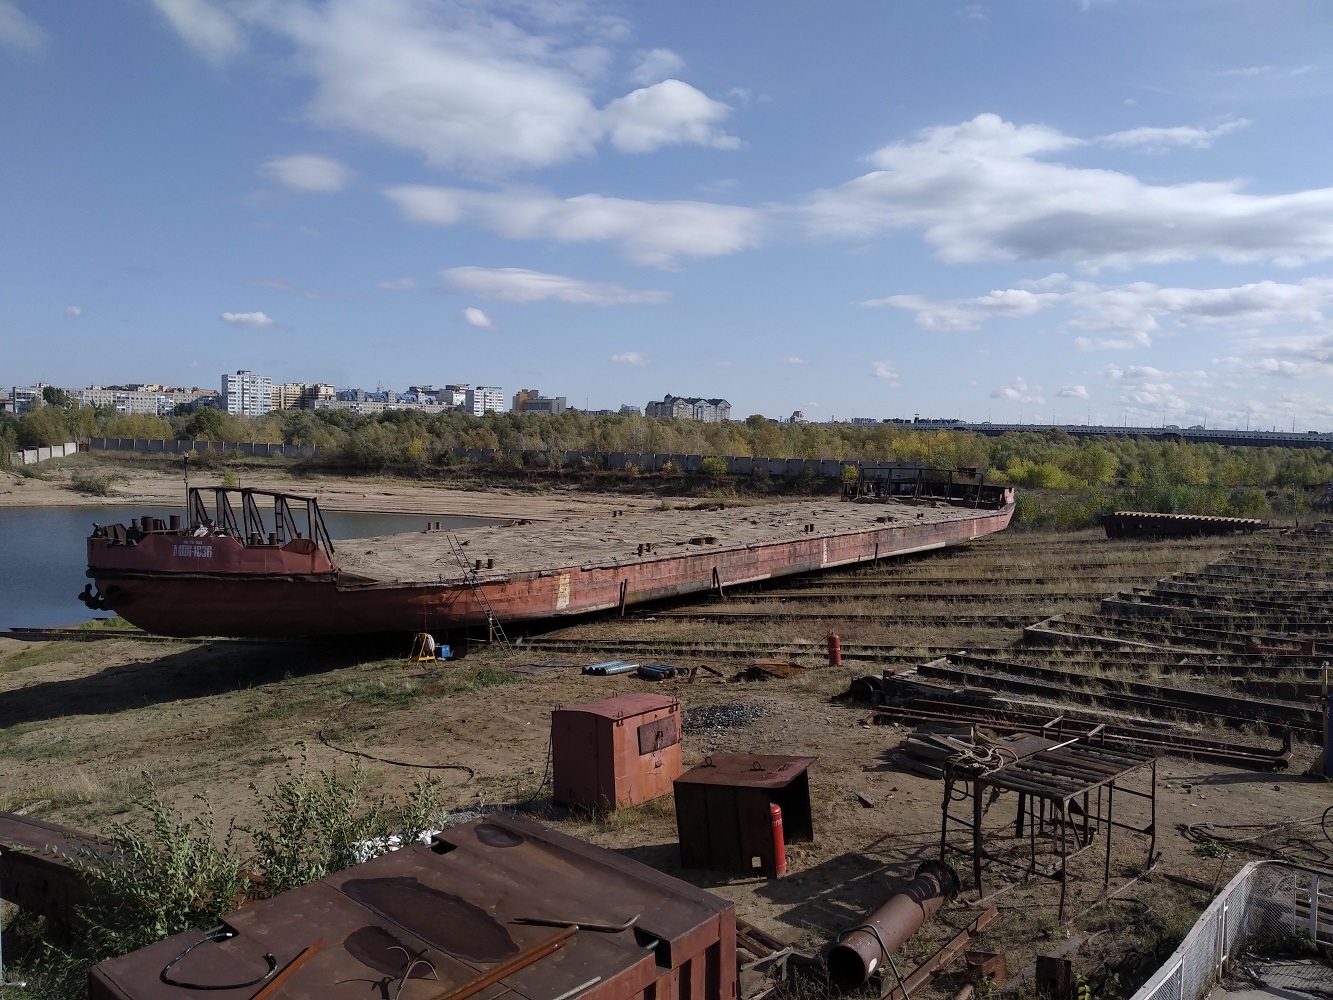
779 841
834 650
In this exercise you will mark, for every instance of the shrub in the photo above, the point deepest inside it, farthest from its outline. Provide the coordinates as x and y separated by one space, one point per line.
93 483
714 468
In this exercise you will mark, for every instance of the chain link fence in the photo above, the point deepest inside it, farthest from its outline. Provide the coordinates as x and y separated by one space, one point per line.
1269 904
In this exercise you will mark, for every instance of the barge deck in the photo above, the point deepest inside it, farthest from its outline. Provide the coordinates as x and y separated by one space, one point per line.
225 575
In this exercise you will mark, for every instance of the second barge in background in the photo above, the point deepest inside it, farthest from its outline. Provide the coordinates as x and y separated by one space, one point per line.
222 574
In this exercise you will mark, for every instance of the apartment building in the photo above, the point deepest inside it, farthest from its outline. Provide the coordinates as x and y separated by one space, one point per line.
483 399
247 394
709 411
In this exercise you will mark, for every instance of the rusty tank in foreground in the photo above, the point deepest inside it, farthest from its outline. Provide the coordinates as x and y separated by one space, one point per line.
220 571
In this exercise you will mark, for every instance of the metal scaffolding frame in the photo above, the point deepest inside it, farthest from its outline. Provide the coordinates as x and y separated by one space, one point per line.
1055 803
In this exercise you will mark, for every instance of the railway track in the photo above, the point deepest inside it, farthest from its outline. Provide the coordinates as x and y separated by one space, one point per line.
870 652
1012 620
1153 699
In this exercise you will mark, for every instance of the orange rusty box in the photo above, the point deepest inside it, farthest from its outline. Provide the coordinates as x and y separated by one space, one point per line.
617 752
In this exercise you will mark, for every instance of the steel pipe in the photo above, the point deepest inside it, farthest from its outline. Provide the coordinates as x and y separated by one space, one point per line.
861 950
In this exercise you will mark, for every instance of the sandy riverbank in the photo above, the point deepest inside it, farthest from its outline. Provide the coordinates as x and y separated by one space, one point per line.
153 488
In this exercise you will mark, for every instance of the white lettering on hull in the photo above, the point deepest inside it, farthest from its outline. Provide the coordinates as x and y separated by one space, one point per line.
192 550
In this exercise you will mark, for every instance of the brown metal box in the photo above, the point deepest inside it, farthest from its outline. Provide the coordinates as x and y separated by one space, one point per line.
617 752
478 904
722 810
37 866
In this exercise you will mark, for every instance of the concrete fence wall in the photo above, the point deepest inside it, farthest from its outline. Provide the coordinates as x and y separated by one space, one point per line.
31 456
249 449
739 465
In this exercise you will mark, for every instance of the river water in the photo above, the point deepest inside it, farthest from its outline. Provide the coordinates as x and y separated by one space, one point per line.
44 555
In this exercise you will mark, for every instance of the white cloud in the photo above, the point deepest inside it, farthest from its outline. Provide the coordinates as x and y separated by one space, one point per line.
73 310
1145 391
1073 392
655 66
629 358
516 284
473 316
792 359
1127 316
477 89
308 172
1127 343
18 30
986 189
1018 391
398 285
969 314
1248 71
650 233
208 29
670 113
252 319
1155 140
886 371
1133 373
974 12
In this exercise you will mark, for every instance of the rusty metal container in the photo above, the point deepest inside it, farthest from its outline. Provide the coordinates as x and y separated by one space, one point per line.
723 814
618 752
486 901
36 869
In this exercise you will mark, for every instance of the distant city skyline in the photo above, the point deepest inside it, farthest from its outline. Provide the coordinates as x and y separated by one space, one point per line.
1058 210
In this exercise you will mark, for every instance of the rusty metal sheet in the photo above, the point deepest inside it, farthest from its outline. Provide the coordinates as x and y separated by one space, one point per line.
747 770
459 904
659 735
625 706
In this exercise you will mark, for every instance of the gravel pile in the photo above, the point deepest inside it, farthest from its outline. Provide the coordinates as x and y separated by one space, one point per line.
733 715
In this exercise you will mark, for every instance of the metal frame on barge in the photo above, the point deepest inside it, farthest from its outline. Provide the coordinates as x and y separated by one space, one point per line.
227 575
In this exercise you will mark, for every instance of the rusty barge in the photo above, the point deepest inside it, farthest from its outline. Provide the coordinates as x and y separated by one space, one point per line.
218 572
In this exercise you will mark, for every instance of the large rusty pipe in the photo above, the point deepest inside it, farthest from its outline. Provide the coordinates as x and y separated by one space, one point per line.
860 951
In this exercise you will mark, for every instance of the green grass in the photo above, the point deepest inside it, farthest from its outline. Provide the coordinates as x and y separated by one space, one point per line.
115 622
380 694
32 741
467 680
52 652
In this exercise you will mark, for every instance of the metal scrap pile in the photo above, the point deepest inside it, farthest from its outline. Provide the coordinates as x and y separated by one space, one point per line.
733 715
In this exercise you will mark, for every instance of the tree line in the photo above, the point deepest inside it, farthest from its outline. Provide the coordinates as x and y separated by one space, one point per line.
1156 475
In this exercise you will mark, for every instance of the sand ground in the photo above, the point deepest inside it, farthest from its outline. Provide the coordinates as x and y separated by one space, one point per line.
154 486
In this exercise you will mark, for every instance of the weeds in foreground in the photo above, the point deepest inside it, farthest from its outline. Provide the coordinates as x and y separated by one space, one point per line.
164 873
1212 849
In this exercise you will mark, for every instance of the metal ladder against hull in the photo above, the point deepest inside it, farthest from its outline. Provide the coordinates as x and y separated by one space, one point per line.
493 627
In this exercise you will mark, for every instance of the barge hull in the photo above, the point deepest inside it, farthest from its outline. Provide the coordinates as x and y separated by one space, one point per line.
288 603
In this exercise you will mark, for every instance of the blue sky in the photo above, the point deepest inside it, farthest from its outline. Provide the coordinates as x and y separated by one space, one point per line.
1046 209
